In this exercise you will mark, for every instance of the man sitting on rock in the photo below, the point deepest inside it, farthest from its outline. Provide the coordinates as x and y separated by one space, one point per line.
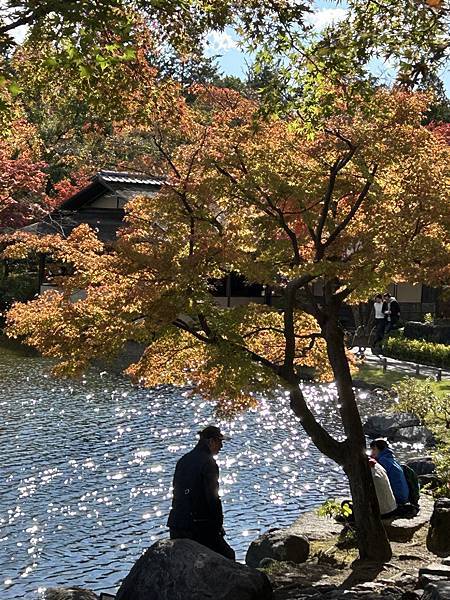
196 506
381 452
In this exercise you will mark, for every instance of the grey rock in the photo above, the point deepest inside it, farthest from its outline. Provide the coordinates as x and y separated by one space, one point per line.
439 590
432 481
72 593
386 425
438 569
402 530
281 544
438 538
315 527
266 563
412 595
184 570
360 384
422 465
417 434
429 578
433 573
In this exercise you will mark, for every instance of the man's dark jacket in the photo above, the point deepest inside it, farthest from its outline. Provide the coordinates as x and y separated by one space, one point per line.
394 307
196 502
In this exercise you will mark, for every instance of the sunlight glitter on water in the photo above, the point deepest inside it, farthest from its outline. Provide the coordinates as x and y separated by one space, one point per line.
89 476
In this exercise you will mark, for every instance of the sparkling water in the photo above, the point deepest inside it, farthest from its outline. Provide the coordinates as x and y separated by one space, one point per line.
87 466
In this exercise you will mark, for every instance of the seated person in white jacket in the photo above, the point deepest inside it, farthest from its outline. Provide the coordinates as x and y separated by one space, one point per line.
385 496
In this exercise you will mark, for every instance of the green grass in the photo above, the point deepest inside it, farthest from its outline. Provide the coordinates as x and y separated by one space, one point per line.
375 376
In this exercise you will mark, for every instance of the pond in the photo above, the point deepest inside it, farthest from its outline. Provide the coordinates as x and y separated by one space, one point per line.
87 468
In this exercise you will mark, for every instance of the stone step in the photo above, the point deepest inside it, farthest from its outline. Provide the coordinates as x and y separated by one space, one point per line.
440 569
437 591
434 574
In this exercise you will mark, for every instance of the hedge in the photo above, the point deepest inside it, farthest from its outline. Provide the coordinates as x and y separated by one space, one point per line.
427 353
436 333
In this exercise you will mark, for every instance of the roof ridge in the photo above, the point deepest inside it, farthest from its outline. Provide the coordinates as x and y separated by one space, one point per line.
126 174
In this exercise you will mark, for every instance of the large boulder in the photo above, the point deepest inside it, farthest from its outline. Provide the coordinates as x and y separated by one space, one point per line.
184 570
398 427
386 425
403 529
72 593
315 527
278 544
422 465
438 539
418 434
425 469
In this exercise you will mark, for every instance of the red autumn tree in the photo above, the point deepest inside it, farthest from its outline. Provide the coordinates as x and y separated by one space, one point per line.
22 178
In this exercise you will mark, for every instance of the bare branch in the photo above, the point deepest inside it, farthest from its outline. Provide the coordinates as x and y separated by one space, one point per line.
361 197
338 165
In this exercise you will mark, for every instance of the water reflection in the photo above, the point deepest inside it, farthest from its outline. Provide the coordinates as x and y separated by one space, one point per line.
87 468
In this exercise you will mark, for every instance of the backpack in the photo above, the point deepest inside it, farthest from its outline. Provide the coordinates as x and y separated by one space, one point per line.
413 485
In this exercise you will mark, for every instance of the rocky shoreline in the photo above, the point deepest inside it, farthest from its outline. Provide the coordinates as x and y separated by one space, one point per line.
302 562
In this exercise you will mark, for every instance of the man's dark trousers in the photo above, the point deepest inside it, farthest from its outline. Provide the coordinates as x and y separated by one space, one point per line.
211 539
379 331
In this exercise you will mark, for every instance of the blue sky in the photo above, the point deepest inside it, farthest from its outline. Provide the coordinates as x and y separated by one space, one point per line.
234 62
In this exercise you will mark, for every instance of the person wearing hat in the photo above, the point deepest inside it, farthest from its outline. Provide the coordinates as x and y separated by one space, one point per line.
196 512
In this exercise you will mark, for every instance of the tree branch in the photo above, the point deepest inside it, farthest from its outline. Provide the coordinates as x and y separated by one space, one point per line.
338 165
327 444
289 325
214 339
276 209
361 197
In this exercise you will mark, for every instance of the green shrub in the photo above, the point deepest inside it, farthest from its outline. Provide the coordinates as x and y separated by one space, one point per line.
442 461
417 397
332 508
427 353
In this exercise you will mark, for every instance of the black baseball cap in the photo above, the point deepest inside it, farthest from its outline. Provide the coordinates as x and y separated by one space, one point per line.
212 432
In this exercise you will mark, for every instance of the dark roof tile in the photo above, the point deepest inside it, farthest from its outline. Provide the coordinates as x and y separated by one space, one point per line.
125 177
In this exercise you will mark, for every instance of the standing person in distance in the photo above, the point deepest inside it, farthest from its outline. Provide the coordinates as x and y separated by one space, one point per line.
196 506
391 309
380 321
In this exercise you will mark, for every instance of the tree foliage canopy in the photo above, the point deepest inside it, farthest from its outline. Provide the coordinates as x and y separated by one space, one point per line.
260 198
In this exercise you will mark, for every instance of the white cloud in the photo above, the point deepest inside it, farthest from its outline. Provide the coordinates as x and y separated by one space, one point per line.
219 42
18 33
326 16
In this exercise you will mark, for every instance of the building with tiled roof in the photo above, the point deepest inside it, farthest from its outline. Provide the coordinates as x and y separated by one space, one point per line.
100 204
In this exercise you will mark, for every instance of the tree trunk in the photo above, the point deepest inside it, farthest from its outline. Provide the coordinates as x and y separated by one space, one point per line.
372 540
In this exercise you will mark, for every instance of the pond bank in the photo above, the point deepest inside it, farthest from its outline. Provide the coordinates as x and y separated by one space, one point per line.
330 572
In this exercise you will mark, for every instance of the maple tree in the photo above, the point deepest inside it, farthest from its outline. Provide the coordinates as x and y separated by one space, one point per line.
95 36
442 130
22 177
265 199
